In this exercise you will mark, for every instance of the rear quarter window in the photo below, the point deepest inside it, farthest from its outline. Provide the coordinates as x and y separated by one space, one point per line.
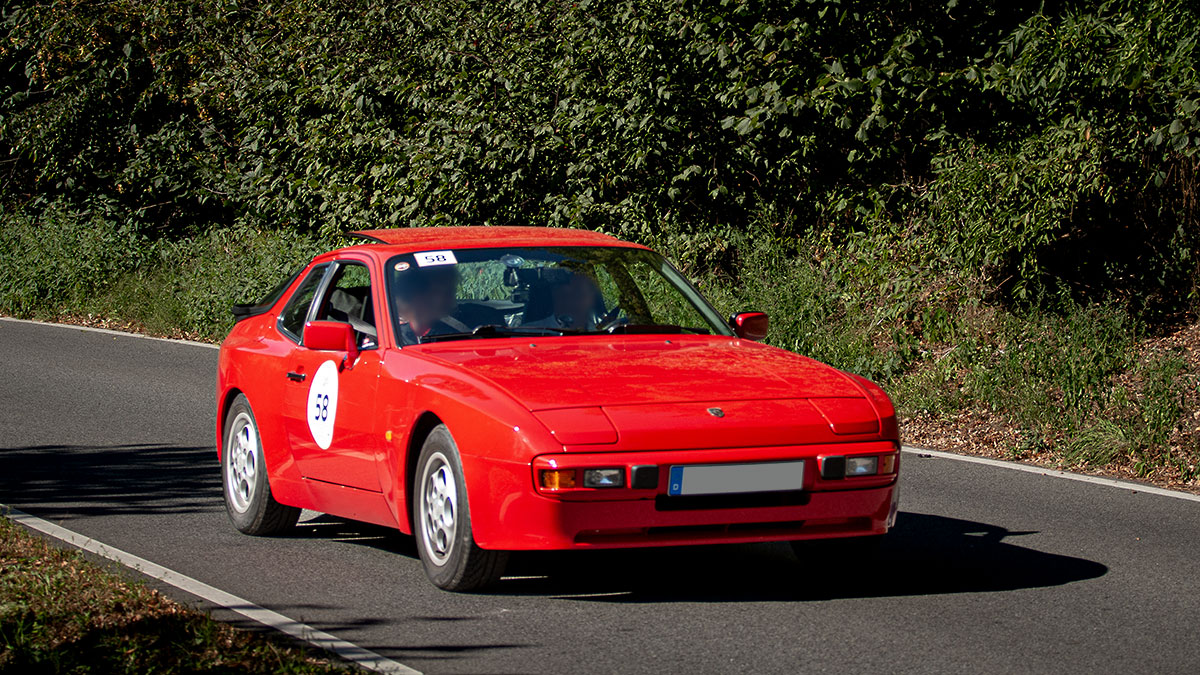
295 312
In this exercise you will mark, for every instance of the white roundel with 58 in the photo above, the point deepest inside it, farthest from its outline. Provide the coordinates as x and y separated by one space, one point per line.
322 404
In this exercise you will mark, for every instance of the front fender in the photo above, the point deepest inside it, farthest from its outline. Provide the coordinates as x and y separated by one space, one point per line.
497 437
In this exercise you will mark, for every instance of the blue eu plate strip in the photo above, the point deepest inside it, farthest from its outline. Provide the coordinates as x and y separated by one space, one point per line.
675 487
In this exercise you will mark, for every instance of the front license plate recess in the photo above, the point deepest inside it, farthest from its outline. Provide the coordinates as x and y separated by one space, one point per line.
715 479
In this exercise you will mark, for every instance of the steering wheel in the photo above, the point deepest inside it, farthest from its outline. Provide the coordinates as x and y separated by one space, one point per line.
611 320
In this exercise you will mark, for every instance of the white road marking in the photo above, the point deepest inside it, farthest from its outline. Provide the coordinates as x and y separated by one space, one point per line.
586 596
320 639
106 331
368 659
1054 473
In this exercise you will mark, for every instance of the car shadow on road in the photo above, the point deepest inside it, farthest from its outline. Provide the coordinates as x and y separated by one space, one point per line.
924 554
110 480
332 528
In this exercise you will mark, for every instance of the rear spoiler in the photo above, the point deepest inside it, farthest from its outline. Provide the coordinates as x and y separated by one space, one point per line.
242 311
369 237
245 311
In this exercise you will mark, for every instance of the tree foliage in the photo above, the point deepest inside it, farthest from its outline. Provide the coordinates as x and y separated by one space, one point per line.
1034 143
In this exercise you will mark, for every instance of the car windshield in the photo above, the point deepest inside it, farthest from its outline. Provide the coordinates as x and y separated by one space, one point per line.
552 291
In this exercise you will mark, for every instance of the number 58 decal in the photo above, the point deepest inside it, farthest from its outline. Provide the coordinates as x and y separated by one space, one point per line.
430 258
322 404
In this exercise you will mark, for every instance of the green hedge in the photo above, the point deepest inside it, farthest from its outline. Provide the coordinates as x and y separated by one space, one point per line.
980 204
1006 136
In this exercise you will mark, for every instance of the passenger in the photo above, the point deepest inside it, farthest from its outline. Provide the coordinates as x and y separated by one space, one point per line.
425 299
574 301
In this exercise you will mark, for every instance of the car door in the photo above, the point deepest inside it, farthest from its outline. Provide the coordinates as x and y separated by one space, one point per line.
329 402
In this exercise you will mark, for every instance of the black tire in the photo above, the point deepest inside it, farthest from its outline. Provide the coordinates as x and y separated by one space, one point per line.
841 551
248 500
452 560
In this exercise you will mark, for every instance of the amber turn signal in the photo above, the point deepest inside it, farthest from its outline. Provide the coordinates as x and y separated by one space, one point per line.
558 479
887 464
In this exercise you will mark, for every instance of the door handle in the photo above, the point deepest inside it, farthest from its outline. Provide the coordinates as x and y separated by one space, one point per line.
296 377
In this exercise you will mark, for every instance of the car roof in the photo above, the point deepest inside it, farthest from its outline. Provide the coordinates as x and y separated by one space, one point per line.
425 238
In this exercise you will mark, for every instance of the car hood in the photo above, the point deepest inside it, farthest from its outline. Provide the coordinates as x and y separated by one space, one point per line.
552 373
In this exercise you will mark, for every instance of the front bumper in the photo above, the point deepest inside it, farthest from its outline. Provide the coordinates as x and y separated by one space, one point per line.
520 517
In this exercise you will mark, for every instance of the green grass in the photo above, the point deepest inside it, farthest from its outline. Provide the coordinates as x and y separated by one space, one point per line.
1068 377
60 613
76 265
1073 379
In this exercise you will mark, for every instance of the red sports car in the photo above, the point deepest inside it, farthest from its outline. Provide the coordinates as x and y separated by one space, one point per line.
491 389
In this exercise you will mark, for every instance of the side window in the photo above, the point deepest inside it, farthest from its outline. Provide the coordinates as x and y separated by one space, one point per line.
347 299
291 319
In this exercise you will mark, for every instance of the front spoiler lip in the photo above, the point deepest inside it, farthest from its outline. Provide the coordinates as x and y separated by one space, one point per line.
730 534
825 515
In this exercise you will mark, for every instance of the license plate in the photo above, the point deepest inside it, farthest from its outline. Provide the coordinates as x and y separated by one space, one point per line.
715 479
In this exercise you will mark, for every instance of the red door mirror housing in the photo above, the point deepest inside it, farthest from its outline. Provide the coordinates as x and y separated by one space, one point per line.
331 336
750 325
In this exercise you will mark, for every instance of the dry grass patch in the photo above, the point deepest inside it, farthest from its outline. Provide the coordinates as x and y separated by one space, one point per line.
61 613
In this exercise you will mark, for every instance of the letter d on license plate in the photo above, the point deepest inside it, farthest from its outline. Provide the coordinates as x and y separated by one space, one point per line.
715 479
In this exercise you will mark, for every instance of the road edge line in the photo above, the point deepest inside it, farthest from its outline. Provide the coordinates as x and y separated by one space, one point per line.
109 331
1014 466
1055 473
349 651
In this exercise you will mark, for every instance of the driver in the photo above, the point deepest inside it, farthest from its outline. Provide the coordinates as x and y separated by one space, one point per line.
574 301
425 298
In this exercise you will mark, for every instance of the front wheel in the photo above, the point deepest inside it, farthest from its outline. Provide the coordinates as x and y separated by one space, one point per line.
248 500
441 519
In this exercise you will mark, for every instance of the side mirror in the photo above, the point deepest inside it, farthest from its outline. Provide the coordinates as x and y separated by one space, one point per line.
750 325
331 336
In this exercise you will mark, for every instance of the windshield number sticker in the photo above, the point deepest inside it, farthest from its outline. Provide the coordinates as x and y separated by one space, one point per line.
322 404
431 258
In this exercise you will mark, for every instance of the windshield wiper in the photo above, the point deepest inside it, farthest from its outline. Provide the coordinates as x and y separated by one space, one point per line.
492 330
651 328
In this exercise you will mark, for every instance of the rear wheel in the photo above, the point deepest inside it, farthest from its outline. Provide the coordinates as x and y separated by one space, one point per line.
441 519
248 500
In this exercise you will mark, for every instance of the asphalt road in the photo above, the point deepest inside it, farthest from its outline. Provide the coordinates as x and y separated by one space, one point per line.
987 570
